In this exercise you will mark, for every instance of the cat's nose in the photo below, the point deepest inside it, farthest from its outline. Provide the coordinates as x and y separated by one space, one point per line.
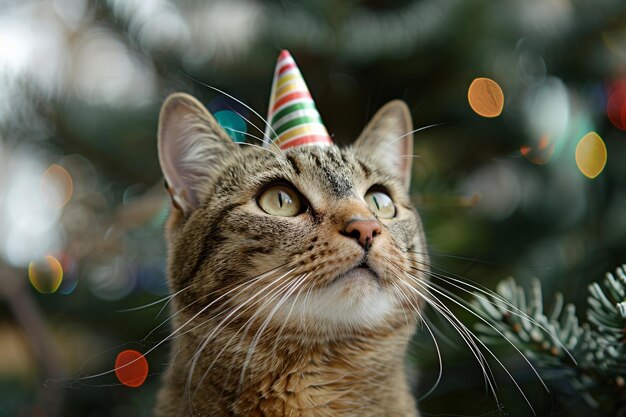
364 231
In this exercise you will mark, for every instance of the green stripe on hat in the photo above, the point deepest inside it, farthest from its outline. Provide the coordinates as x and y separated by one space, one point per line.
297 122
290 109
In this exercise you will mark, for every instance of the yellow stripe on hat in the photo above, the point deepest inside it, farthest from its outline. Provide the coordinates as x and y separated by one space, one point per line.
289 88
287 78
311 128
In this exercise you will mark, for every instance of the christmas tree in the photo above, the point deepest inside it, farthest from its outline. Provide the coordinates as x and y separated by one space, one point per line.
589 353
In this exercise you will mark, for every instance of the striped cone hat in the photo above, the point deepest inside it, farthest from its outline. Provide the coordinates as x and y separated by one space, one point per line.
292 117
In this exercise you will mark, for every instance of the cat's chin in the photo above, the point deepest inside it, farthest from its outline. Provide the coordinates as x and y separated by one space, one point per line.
353 299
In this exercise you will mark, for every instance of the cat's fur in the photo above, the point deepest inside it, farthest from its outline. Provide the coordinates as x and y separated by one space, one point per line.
267 319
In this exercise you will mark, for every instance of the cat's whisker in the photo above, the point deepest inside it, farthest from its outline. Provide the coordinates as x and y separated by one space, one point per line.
204 296
223 323
260 147
419 129
243 132
173 315
451 297
293 304
500 303
294 285
461 303
406 318
466 335
461 329
440 363
226 320
264 140
304 305
245 327
245 285
165 299
432 335
422 320
466 258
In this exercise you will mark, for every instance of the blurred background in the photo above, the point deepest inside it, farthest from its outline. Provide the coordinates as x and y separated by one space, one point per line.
528 192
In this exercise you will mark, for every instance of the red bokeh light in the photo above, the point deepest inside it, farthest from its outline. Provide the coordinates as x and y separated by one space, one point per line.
616 104
131 368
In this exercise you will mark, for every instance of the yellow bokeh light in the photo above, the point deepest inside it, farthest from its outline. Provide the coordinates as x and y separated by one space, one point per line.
46 274
485 97
56 186
591 155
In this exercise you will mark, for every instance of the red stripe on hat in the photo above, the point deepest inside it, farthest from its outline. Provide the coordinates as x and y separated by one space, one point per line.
286 67
289 97
321 139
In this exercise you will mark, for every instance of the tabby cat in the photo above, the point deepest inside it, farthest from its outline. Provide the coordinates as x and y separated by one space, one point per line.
297 273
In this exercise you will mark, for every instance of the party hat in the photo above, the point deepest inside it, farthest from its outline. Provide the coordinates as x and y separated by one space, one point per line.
292 117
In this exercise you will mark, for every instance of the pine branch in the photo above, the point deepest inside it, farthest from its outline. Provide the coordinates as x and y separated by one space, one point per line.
591 354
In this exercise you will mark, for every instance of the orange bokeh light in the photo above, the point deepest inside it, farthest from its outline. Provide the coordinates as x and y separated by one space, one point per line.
485 97
131 368
539 154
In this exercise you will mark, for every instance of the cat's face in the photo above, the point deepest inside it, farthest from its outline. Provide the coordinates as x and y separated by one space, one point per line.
308 235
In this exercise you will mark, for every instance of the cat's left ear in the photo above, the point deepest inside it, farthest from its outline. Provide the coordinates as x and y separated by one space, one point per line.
389 138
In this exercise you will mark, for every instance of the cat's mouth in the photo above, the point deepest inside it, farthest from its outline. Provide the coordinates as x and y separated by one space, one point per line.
358 272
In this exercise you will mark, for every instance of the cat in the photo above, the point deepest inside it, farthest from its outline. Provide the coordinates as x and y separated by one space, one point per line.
296 273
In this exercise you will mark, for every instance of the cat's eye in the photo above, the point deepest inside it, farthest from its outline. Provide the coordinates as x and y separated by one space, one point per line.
380 203
280 200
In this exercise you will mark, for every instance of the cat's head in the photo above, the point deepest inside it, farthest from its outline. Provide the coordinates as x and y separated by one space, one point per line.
306 235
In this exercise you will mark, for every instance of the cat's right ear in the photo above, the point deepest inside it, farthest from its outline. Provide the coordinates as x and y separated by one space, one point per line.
192 147
389 137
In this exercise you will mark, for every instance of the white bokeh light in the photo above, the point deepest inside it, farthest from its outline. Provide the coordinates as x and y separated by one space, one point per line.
106 72
29 228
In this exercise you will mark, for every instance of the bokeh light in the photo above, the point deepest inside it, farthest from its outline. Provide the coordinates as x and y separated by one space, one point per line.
106 71
539 154
616 104
496 189
56 186
549 119
46 274
70 273
110 278
485 97
131 368
591 155
233 124
151 277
